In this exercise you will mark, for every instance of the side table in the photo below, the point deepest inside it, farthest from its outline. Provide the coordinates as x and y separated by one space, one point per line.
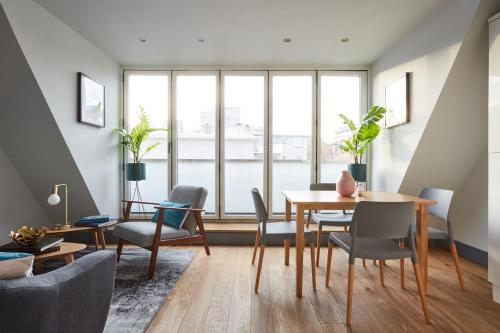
97 231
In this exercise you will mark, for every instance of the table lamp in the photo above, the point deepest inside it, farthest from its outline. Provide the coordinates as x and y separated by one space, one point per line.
54 199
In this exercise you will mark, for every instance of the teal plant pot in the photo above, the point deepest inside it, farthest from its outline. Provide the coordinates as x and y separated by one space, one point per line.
358 172
136 172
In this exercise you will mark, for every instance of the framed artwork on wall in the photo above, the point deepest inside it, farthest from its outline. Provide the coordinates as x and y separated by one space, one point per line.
91 95
397 101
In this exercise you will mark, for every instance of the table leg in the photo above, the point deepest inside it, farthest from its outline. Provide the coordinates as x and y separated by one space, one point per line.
69 258
96 240
423 242
299 246
101 238
288 210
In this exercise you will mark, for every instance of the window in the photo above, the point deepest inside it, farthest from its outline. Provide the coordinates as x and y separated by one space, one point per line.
244 107
230 131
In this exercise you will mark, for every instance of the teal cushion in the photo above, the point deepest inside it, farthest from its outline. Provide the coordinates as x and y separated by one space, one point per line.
12 255
173 218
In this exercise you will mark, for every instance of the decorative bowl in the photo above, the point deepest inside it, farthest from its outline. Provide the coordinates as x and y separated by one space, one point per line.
27 235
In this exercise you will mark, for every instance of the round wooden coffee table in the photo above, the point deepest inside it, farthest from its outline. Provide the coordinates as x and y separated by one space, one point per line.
65 252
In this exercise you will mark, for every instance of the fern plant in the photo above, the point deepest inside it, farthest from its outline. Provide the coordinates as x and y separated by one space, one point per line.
133 140
362 136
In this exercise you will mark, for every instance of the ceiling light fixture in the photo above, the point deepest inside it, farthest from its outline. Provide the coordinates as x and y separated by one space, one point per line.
142 40
344 40
201 40
287 40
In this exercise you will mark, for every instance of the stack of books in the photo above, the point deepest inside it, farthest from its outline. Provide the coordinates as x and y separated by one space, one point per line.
97 221
44 245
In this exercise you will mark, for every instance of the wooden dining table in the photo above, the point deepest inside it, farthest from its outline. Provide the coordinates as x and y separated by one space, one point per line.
331 200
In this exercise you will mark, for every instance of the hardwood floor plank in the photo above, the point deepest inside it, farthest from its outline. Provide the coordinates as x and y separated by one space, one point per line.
241 300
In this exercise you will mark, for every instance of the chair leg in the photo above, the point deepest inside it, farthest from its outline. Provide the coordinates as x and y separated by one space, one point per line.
119 249
375 262
345 229
287 252
205 244
329 263
152 263
350 287
402 266
259 267
318 244
423 300
454 253
256 245
364 262
313 267
381 266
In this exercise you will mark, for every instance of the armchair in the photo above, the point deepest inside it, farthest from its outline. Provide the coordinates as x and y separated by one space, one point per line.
150 235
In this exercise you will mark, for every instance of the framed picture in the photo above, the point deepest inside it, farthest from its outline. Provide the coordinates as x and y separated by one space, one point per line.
90 101
397 101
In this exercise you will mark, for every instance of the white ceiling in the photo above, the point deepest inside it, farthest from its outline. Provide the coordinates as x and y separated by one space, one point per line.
242 32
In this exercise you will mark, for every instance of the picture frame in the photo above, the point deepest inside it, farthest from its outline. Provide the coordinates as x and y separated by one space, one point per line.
91 101
397 101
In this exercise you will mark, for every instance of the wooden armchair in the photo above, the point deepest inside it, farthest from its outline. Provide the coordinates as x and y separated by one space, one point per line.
150 235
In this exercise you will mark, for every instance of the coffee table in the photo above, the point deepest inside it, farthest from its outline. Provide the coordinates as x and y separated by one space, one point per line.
98 233
65 252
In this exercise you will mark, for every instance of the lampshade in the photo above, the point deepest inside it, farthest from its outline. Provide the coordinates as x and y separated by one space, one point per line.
53 199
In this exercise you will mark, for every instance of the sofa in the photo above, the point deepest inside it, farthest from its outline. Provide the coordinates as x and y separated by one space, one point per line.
74 298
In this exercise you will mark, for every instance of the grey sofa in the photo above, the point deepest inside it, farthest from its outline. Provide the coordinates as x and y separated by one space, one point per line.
74 298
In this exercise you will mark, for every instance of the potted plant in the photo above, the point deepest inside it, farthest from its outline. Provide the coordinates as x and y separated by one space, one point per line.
360 139
133 140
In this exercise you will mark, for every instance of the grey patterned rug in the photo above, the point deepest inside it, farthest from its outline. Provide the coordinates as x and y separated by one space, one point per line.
136 300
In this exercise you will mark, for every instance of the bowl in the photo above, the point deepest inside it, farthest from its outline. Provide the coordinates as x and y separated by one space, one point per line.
26 236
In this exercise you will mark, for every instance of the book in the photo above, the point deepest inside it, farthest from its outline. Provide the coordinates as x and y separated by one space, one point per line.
96 224
93 219
46 244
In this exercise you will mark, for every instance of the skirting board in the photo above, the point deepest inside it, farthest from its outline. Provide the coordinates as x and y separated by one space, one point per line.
468 252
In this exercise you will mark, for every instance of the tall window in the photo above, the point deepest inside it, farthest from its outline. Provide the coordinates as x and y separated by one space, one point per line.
244 110
150 91
196 132
292 115
229 131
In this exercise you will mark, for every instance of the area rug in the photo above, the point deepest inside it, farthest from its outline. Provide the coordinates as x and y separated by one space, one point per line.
136 300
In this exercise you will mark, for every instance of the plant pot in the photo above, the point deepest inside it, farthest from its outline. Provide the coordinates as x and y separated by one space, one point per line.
136 172
358 172
345 184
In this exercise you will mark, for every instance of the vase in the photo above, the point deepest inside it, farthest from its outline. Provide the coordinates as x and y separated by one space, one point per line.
136 171
345 184
358 172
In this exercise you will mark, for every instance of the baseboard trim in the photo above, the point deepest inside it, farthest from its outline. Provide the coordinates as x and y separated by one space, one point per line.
468 252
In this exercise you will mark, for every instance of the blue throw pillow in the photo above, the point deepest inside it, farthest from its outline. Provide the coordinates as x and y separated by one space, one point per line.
172 218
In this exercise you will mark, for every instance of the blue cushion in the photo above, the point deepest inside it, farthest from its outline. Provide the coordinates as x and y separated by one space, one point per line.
12 255
173 218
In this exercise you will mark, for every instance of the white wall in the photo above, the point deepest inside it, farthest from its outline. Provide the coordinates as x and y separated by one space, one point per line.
17 205
55 54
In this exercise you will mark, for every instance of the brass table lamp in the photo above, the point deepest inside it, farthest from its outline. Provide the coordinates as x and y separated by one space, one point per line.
54 199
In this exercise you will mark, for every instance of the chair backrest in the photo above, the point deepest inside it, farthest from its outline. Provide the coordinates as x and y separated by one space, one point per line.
74 298
260 211
323 187
193 195
443 198
382 220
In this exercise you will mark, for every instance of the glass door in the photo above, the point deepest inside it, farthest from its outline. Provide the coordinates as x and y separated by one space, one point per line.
292 118
244 107
196 129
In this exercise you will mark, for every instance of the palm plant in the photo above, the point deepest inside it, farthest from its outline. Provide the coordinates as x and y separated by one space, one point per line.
133 140
362 136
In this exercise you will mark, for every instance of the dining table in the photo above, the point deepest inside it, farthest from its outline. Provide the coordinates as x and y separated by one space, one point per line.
330 200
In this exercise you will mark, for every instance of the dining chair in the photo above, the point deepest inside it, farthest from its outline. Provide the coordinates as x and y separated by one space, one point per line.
277 231
439 212
333 218
374 229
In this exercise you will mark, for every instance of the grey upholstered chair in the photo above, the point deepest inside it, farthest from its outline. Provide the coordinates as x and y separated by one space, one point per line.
74 298
439 212
278 231
375 227
150 235
329 218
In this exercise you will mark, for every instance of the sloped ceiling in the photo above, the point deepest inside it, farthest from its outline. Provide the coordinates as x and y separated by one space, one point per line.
242 32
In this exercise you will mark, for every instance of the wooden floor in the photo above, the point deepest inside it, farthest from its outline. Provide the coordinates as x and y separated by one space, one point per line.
215 294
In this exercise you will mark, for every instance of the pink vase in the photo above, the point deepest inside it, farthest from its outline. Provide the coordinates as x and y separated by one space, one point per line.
345 184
